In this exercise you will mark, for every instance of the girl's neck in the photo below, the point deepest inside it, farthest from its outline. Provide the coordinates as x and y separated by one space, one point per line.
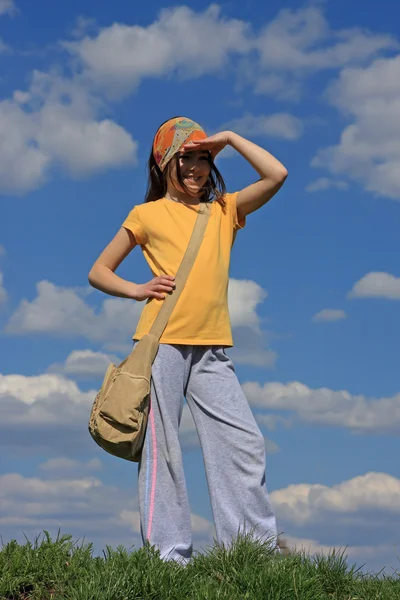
177 196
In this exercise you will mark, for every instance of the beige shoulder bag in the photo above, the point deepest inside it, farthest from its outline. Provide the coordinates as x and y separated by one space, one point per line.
119 413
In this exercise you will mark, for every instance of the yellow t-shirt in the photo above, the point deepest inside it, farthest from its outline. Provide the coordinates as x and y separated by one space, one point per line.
163 229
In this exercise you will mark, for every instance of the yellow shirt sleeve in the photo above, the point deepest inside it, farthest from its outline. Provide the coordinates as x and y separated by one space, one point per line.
236 223
134 224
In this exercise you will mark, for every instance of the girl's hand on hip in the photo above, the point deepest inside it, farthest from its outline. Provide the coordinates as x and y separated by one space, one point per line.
156 288
214 143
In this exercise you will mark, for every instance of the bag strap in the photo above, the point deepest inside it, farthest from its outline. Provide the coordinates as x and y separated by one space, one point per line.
185 267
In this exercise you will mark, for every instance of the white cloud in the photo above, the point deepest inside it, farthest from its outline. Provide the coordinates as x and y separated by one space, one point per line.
377 285
272 84
319 518
83 25
374 557
23 165
85 364
243 298
324 183
324 406
271 447
26 391
58 122
280 125
63 311
306 503
54 124
249 350
191 44
302 39
3 251
83 507
45 413
300 42
201 528
84 148
309 546
67 468
369 147
270 422
8 7
181 41
4 47
329 314
187 430
49 411
3 292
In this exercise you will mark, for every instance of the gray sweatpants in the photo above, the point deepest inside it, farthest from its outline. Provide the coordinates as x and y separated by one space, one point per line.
232 444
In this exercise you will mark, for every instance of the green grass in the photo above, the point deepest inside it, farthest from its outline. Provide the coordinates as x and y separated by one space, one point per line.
60 569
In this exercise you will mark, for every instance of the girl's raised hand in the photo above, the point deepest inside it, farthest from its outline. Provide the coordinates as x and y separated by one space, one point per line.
156 288
214 143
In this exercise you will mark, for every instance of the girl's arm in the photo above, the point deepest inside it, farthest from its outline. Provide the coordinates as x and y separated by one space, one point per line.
103 278
272 175
272 172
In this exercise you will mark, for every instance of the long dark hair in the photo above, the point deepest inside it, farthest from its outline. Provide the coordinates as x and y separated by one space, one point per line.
157 180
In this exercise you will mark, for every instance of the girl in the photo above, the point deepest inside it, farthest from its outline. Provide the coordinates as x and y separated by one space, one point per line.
191 360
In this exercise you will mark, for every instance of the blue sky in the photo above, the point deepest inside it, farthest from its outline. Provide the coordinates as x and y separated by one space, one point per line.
315 282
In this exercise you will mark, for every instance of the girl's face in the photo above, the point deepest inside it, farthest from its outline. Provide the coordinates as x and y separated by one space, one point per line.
195 169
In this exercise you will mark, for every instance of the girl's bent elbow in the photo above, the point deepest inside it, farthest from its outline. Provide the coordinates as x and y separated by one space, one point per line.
91 277
283 175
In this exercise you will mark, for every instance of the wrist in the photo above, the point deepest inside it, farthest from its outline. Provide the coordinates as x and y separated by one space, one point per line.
230 137
234 139
132 290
